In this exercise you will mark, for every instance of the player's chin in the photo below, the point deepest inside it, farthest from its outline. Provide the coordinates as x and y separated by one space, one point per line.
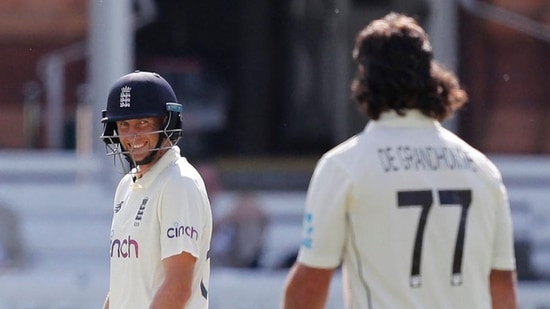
139 155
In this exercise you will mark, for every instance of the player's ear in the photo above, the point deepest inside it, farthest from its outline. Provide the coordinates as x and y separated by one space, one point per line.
161 122
362 107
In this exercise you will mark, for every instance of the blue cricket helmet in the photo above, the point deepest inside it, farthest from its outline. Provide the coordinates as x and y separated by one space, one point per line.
141 95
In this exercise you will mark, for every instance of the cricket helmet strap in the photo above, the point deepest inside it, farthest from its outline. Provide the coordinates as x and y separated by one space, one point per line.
141 95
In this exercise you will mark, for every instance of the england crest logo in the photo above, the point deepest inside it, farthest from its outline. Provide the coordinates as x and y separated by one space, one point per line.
125 96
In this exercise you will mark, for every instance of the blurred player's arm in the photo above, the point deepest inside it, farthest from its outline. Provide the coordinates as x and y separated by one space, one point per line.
503 289
106 303
306 287
175 290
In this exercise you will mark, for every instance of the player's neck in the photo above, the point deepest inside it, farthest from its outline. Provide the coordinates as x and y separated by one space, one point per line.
144 168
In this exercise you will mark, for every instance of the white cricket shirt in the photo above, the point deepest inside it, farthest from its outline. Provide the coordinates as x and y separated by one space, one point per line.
164 213
417 216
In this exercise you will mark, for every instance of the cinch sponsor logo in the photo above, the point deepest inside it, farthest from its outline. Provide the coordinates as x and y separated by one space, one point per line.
181 230
125 248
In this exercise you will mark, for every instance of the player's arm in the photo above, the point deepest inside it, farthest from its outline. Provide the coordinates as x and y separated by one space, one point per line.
106 303
306 287
175 290
503 289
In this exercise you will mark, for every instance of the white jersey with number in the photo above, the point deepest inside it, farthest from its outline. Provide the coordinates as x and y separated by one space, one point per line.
417 216
164 213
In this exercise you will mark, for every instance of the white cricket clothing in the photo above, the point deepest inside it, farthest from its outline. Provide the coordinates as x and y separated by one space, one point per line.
417 216
164 213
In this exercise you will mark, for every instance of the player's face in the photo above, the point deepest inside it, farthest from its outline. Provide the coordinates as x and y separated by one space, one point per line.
137 137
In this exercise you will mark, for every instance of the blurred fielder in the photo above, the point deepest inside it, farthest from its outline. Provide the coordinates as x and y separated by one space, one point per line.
416 217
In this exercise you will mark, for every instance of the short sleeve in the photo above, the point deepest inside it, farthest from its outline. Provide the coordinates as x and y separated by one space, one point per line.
181 218
324 226
504 256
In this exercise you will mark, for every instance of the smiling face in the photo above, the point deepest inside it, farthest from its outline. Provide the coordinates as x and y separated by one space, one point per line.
139 137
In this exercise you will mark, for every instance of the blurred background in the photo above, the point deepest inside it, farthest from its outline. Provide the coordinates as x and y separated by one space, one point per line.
265 89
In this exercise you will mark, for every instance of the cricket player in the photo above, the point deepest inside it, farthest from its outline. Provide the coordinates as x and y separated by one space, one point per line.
162 223
416 217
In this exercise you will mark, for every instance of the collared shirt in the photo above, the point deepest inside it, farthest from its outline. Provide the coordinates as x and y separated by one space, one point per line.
164 213
416 215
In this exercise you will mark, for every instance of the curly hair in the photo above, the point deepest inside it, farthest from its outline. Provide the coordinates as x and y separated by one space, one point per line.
397 71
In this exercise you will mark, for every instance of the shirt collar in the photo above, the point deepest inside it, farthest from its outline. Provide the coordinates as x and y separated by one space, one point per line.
412 118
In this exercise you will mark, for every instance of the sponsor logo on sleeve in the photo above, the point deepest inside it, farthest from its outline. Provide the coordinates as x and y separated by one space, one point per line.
307 240
178 230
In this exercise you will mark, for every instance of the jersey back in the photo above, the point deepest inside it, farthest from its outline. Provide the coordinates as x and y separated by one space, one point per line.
418 217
